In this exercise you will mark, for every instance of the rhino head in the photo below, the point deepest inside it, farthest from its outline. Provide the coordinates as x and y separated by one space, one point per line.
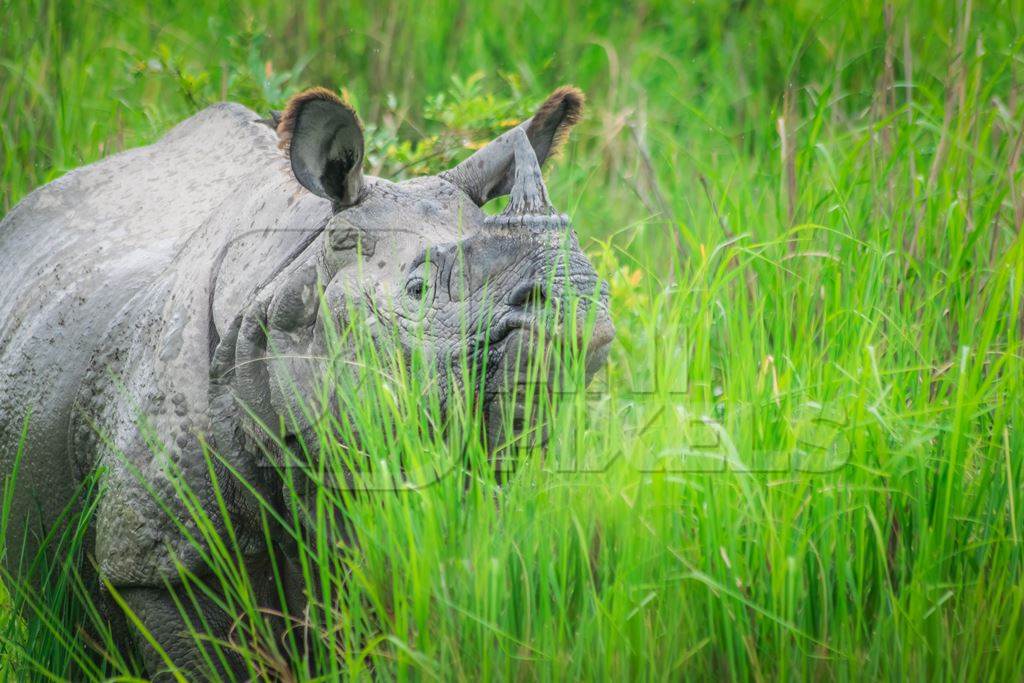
425 264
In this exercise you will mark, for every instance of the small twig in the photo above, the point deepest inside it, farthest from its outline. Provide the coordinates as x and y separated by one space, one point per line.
908 77
954 87
785 126
888 95
975 130
1015 195
748 275
714 206
652 181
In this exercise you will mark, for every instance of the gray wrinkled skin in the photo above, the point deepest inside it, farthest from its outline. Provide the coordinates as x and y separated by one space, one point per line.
140 296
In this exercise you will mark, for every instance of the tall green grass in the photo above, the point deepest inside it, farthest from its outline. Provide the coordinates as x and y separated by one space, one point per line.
803 459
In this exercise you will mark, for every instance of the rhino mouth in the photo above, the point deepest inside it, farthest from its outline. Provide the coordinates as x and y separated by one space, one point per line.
521 381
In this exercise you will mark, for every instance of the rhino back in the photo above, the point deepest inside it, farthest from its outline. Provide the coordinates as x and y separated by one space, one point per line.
76 252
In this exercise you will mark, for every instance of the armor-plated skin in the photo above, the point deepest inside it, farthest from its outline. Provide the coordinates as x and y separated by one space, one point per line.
139 297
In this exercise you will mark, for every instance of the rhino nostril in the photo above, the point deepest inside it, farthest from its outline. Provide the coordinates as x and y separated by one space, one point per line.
529 295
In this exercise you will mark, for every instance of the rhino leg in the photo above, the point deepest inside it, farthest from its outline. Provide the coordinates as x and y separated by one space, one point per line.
158 610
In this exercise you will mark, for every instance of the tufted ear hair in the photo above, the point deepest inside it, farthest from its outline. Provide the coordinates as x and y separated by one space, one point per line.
490 171
324 141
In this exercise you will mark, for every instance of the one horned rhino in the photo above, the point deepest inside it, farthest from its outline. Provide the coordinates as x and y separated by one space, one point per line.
175 281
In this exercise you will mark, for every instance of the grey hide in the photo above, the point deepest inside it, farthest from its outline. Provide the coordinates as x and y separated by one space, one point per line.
139 296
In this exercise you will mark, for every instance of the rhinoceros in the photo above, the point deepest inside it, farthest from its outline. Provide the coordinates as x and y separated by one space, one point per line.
167 281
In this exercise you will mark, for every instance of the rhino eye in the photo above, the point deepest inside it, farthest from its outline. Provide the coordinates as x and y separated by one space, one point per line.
415 288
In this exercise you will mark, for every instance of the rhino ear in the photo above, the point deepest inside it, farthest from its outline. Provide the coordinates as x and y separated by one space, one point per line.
324 141
490 172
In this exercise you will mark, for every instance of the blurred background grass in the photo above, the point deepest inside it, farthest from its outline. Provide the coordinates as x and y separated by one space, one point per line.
699 85
808 203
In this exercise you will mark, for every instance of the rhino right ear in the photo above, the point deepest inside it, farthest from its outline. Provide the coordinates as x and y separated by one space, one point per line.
491 171
324 141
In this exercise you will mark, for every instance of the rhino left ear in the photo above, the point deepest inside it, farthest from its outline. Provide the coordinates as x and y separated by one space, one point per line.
324 141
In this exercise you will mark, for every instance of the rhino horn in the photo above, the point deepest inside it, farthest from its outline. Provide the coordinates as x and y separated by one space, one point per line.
529 206
490 173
